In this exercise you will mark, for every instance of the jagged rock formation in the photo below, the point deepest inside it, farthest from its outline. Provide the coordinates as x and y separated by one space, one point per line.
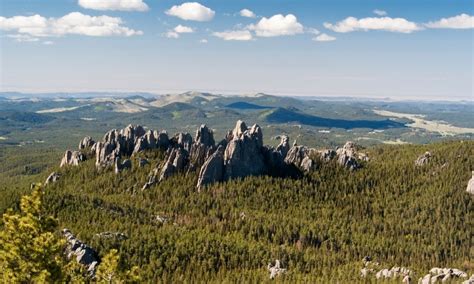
442 274
470 185
213 169
347 156
86 143
52 178
243 155
393 273
423 159
240 154
72 158
84 254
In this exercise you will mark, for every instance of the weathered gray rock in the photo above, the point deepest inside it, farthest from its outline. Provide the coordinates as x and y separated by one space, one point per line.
72 158
184 140
86 143
213 169
204 136
423 159
284 145
470 185
84 254
162 139
145 142
327 155
347 156
198 154
300 157
176 162
106 153
393 273
244 155
52 178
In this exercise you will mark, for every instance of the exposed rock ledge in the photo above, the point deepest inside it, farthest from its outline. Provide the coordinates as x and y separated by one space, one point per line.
240 154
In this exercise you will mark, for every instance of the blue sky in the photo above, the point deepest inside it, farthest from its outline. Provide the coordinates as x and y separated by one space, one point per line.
400 49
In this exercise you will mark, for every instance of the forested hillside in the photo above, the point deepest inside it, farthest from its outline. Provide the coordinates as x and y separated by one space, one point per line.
319 227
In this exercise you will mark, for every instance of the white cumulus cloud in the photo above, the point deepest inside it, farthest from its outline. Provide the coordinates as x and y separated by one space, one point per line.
324 37
380 12
179 29
240 35
183 29
247 13
462 21
73 23
191 11
114 5
352 24
277 25
203 40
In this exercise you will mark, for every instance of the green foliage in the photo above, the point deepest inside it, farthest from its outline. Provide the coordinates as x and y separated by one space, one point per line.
320 227
109 272
29 249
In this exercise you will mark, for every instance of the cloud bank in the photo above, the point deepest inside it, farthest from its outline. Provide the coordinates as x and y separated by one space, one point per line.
114 5
351 24
74 23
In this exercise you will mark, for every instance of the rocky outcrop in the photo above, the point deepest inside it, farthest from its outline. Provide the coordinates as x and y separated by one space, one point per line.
470 185
423 159
130 140
205 136
52 178
72 158
213 169
177 160
347 156
240 154
84 254
86 143
442 275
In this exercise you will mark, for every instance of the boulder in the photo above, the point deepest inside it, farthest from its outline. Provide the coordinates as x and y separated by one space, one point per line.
72 158
470 185
86 143
84 254
106 153
423 159
52 178
212 170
